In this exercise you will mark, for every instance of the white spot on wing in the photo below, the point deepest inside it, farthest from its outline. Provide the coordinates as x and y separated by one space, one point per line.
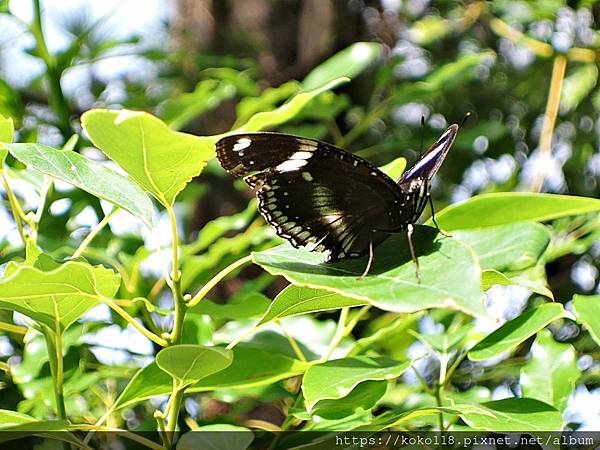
290 165
241 144
301 155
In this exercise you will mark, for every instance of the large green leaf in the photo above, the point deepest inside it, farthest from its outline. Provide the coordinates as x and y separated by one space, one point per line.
216 436
488 210
515 331
347 63
160 160
511 414
251 367
551 373
450 274
514 246
337 378
295 300
59 297
88 175
587 312
7 130
187 364
363 397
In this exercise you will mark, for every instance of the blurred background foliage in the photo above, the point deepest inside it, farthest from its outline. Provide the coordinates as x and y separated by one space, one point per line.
526 70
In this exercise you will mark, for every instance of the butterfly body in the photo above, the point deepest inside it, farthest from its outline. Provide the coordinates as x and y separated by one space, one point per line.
316 195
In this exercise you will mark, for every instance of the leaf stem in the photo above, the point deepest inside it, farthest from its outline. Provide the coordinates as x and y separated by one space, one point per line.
125 315
558 76
293 343
11 328
57 96
339 334
94 232
175 274
215 280
15 208
176 402
54 346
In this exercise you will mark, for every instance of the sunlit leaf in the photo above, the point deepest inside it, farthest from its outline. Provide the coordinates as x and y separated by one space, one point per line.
587 311
551 373
514 246
187 364
577 86
295 300
515 331
449 271
347 63
160 160
337 378
7 130
394 169
59 297
488 210
88 175
492 277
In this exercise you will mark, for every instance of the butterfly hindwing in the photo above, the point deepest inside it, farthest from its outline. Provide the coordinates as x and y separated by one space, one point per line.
314 193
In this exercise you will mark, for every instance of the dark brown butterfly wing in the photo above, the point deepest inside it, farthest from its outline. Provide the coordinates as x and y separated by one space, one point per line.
314 193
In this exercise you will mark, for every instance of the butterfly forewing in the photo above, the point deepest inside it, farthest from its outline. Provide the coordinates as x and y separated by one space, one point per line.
315 193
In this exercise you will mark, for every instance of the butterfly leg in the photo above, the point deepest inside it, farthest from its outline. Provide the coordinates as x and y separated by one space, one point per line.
433 216
409 233
370 262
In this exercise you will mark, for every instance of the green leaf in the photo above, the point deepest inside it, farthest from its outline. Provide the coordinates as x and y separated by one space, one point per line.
511 414
295 300
587 312
394 169
59 297
7 131
347 63
488 210
551 373
266 101
491 277
216 436
514 246
187 364
88 175
270 119
240 307
515 331
450 274
250 367
431 28
160 160
337 378
363 397
577 87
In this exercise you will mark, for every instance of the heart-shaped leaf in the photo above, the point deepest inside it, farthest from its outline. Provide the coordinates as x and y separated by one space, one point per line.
489 210
250 367
337 378
515 331
450 274
187 364
58 297
587 311
551 373
295 300
88 175
160 160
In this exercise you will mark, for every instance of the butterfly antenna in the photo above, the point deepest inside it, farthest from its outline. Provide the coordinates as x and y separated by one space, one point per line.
467 115
422 134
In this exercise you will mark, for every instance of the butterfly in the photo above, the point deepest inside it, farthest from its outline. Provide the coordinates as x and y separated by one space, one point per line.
319 196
